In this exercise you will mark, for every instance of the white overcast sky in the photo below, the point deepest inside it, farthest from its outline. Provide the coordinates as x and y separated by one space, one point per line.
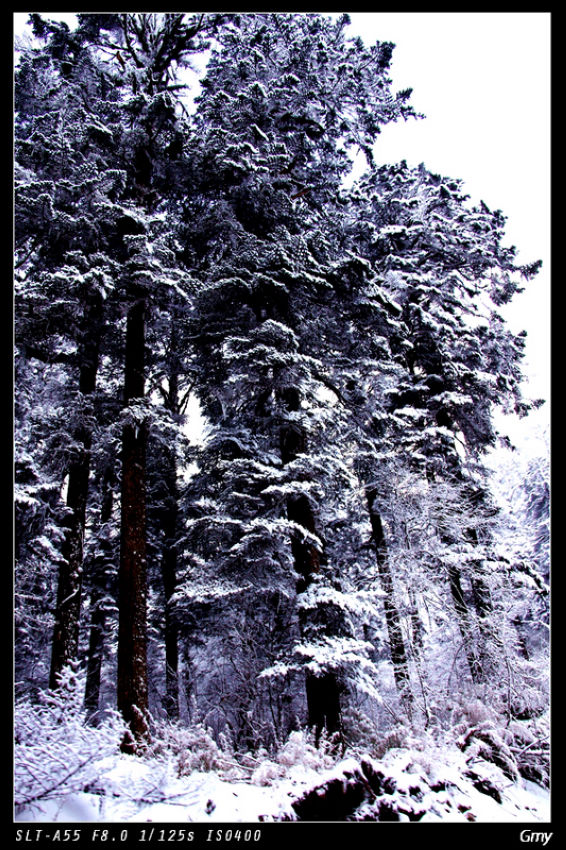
482 79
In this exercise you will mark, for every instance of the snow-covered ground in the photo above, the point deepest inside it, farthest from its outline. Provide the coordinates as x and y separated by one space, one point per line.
428 786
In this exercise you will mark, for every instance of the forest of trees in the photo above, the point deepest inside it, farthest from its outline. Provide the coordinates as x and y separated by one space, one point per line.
254 398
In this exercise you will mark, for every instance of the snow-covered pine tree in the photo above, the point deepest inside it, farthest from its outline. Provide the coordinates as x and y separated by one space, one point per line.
99 222
444 267
65 272
39 512
147 50
283 99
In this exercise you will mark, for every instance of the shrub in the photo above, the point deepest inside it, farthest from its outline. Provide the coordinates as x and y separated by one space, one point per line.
55 751
192 747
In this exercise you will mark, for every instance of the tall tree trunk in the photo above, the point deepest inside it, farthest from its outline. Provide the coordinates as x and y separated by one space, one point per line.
69 588
169 575
170 529
322 691
461 607
132 584
464 623
483 605
481 602
392 618
99 590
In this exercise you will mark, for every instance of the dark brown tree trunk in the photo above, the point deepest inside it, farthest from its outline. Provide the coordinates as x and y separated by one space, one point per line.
99 582
132 584
306 556
464 623
481 596
481 602
417 629
392 618
483 605
521 632
69 589
95 653
323 701
322 691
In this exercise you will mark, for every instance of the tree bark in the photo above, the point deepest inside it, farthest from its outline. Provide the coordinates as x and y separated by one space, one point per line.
483 605
132 584
322 691
392 618
97 604
464 623
69 588
481 602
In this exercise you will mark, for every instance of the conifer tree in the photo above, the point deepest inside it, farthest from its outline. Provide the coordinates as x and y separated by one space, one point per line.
97 215
446 273
65 268
150 48
282 100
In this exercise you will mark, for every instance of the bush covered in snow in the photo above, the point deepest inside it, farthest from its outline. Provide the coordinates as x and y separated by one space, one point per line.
55 752
192 748
298 751
519 747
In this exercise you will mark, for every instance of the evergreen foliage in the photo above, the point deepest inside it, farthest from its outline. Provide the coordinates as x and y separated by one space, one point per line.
254 402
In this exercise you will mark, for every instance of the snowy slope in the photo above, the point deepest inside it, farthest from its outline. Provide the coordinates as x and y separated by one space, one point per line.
431 786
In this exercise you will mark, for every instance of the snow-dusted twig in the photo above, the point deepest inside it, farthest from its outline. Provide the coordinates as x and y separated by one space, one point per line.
51 792
520 751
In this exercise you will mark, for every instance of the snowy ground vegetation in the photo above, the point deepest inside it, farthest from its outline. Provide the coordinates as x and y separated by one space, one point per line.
69 771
